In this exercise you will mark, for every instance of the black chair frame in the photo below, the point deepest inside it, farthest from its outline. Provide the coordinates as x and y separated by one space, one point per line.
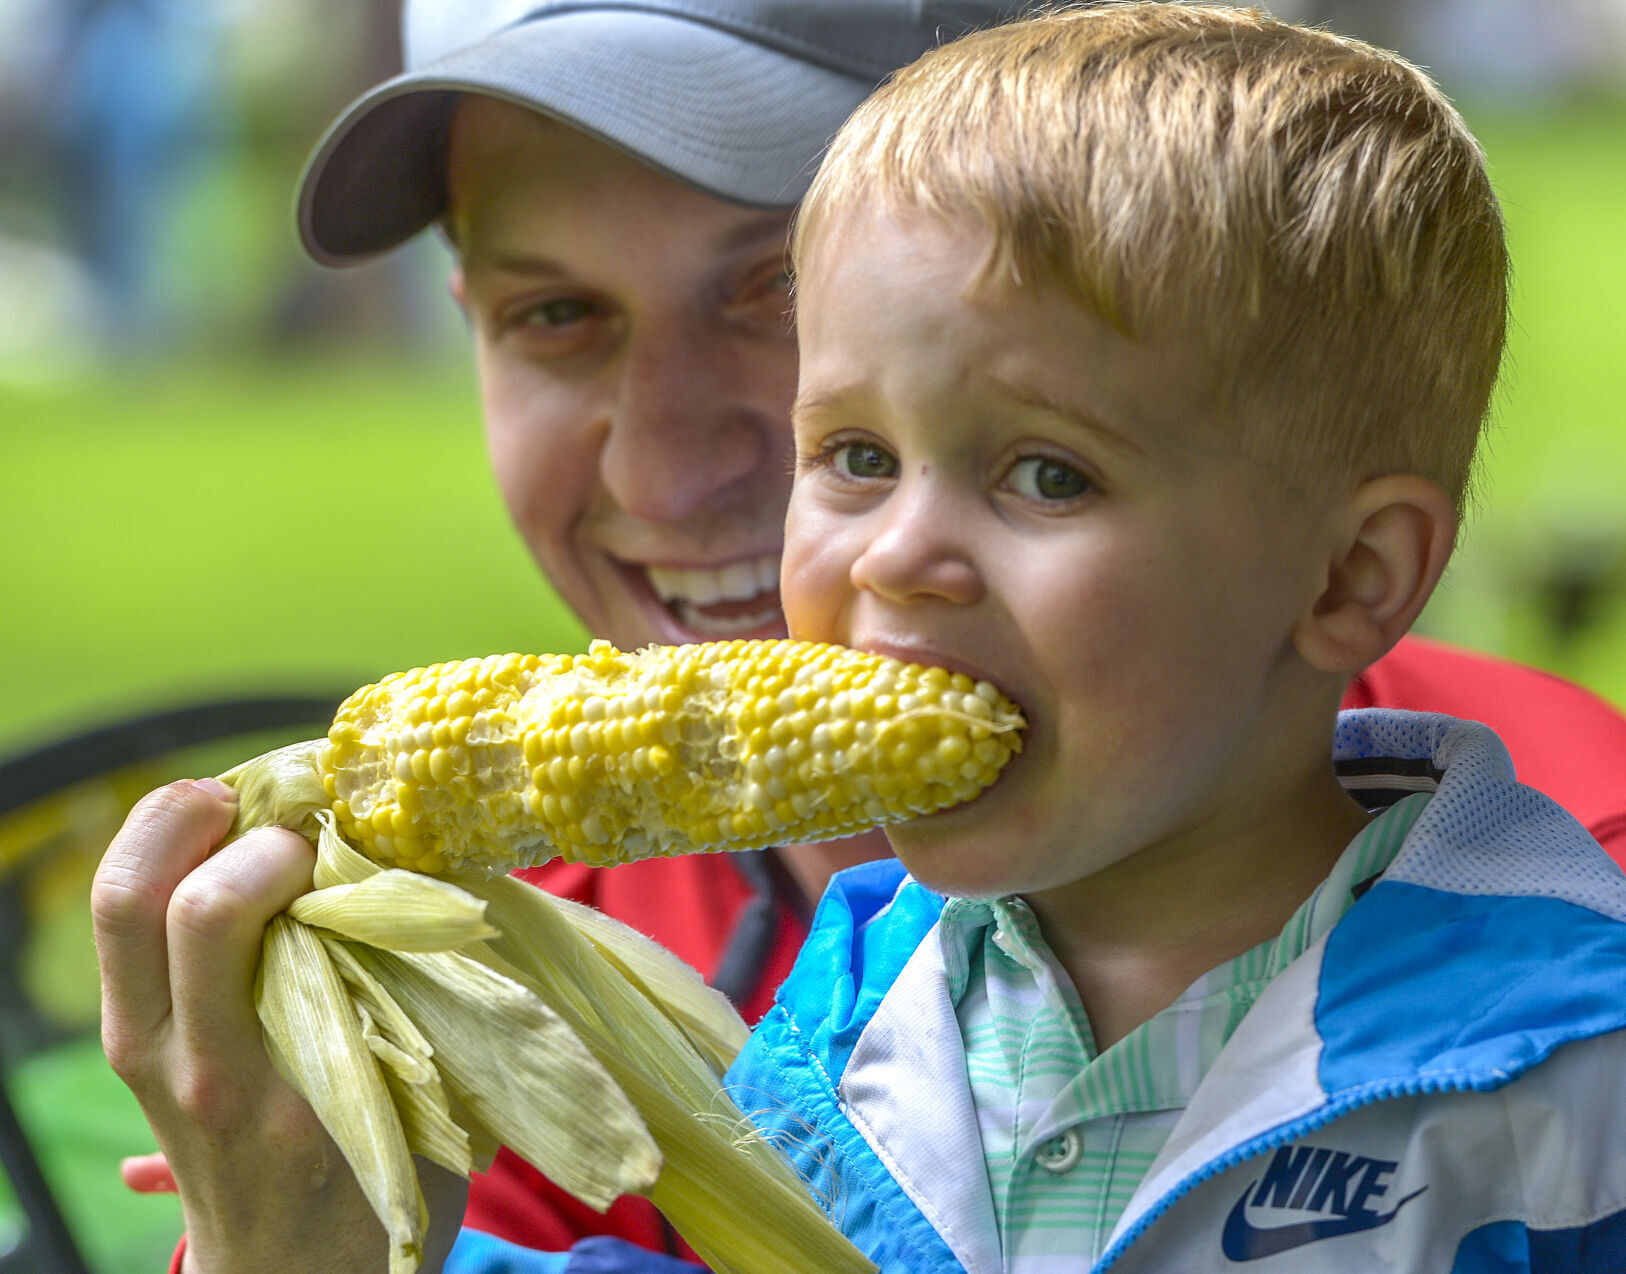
47 1246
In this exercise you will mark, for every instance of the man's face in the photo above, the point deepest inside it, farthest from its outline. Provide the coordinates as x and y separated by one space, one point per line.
637 364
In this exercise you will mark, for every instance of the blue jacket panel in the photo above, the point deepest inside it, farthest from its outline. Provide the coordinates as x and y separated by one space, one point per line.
478 1253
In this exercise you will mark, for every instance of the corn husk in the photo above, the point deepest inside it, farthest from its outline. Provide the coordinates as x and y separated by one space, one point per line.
283 787
441 1017
337 862
398 910
520 1069
702 1013
316 1043
718 1170
407 1061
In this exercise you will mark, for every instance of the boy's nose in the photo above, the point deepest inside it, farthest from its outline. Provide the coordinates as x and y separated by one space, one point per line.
920 551
682 431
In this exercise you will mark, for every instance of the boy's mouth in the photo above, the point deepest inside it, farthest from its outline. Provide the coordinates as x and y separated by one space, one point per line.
720 602
912 653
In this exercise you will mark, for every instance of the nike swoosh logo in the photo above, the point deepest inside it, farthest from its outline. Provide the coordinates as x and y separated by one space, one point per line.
1242 1241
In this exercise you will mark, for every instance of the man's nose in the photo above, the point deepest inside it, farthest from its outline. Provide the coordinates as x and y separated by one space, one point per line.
684 427
920 548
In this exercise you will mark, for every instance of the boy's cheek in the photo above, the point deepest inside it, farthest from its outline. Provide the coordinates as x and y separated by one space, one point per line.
801 601
814 576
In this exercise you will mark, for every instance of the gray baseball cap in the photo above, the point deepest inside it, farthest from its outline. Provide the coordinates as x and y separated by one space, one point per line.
735 97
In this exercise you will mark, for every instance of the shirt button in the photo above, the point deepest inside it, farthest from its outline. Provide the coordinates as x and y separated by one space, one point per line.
1060 1154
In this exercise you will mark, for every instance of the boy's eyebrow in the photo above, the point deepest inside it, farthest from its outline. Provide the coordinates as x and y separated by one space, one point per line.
1028 396
812 403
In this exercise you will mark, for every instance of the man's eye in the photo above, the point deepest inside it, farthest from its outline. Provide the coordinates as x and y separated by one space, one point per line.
764 297
559 312
865 460
775 281
1043 478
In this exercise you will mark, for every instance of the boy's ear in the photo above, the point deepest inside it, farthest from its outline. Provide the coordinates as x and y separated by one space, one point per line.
459 289
1399 534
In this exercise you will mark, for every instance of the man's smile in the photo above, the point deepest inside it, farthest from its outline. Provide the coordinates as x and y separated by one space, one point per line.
724 601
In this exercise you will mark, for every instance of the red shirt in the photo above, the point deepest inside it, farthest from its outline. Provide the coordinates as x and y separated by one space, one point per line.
1564 740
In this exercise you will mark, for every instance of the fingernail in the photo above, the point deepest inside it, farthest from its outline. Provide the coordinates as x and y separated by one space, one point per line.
216 788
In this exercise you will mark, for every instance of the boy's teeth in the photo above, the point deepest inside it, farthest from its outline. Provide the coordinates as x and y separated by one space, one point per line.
736 582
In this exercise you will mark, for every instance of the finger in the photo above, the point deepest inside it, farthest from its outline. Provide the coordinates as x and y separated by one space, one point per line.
167 834
148 1174
216 925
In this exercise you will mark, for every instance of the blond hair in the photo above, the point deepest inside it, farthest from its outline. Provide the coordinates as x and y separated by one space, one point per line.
1312 207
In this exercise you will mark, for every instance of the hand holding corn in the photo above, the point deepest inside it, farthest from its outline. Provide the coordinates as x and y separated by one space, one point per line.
447 1008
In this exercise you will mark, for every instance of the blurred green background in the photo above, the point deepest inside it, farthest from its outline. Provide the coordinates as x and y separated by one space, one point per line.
226 471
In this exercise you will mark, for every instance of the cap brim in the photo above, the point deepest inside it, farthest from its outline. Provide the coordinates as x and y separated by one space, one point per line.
733 118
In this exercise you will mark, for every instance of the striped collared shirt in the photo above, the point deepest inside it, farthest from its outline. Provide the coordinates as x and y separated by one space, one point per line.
1067 1133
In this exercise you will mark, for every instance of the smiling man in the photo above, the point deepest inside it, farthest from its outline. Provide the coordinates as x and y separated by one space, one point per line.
635 354
615 181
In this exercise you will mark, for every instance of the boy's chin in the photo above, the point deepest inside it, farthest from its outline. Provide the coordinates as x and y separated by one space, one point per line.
955 862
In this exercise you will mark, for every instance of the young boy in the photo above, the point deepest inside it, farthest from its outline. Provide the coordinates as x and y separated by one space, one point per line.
1144 351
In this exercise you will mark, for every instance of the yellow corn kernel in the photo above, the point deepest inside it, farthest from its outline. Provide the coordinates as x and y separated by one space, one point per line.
609 756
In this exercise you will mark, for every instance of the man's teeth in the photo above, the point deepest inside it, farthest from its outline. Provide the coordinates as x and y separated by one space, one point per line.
686 591
736 582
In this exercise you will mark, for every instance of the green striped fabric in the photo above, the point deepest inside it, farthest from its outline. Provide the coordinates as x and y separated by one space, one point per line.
1068 1135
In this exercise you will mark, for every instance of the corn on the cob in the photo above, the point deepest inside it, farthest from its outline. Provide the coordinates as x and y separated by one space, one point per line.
608 757
405 992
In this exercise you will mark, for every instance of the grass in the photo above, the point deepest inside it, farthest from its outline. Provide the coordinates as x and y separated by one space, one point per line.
209 529
84 1123
1556 461
203 530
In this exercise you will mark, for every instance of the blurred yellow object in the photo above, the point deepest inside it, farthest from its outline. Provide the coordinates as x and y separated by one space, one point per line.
48 854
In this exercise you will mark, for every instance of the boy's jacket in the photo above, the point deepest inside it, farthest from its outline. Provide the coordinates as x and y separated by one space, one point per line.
1438 1085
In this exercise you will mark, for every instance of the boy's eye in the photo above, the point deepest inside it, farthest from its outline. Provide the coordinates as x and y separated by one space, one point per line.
865 460
1045 478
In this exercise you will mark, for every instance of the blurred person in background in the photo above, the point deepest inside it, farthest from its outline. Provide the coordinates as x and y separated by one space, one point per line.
1479 48
615 185
139 100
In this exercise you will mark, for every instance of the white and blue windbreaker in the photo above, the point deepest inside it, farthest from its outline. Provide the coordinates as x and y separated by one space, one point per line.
1439 1085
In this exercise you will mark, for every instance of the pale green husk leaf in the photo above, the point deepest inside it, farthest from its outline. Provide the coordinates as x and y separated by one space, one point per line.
729 1193
420 1099
521 1070
674 986
282 788
316 1042
337 862
398 910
